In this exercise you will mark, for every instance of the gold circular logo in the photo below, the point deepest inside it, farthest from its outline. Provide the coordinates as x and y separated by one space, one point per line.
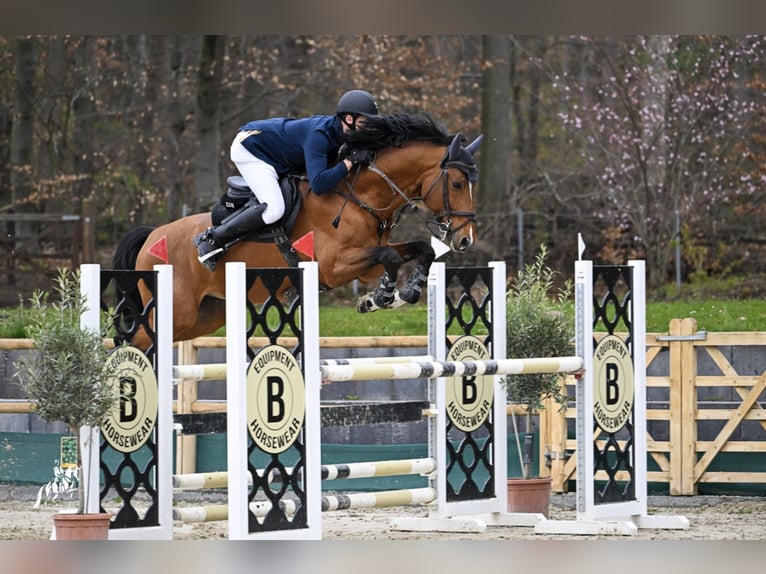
469 399
134 415
613 386
276 399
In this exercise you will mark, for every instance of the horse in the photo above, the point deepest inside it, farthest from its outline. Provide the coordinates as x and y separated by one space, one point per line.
416 160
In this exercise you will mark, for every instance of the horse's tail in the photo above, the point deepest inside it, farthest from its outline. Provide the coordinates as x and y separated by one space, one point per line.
124 259
130 245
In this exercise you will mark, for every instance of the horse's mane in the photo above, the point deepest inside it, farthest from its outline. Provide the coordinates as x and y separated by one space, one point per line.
394 130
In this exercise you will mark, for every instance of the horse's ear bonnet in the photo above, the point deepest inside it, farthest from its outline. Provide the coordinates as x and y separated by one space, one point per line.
462 157
474 145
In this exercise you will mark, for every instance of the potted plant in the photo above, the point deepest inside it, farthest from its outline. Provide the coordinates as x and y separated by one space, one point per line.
67 379
540 323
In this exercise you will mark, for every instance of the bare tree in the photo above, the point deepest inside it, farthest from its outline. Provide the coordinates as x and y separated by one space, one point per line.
84 109
663 133
53 107
22 136
583 133
207 184
494 199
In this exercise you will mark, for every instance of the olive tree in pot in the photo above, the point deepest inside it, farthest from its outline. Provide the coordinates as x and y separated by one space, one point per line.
540 323
68 379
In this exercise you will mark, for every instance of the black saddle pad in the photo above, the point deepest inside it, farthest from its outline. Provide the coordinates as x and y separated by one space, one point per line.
238 196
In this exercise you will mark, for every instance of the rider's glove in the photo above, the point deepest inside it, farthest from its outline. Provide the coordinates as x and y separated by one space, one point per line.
361 156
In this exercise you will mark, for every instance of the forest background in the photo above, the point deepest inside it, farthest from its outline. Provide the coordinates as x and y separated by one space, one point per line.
651 147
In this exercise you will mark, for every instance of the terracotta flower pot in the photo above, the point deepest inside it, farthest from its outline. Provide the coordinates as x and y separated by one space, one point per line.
82 526
529 495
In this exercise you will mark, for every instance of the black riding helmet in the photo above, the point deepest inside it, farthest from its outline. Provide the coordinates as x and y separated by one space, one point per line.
357 102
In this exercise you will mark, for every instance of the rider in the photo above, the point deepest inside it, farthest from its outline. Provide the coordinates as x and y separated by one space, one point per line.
265 150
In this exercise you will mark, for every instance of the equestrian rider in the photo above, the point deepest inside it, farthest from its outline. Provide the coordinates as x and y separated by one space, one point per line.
266 150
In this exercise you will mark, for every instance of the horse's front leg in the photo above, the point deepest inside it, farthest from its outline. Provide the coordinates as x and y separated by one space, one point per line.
410 292
391 257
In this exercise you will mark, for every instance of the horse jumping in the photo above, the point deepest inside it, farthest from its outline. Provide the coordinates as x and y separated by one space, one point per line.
416 160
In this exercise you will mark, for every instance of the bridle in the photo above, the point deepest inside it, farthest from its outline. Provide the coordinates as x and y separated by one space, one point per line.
440 225
443 219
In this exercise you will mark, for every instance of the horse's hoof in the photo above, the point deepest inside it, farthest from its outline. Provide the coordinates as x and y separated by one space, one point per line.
365 305
398 302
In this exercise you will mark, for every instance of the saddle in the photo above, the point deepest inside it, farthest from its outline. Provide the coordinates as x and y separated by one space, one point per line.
238 196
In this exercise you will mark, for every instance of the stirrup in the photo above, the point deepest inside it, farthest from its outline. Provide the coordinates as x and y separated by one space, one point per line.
210 255
205 241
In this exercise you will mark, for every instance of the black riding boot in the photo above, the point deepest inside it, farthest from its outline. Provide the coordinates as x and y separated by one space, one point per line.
214 241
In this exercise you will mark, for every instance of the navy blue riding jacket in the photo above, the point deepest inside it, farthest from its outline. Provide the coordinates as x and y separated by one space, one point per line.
300 145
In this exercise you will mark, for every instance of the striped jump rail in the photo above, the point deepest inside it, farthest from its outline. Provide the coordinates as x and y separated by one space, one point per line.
217 371
435 369
376 360
201 372
382 499
422 466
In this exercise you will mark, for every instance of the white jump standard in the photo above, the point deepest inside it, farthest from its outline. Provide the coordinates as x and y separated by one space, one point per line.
611 398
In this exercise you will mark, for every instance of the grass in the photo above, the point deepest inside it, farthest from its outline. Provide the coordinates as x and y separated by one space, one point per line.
344 321
713 316
14 323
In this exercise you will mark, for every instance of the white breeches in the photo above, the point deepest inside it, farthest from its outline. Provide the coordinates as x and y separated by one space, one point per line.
262 180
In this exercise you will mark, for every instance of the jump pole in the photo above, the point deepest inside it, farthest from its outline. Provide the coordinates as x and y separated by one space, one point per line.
206 480
444 369
217 371
330 503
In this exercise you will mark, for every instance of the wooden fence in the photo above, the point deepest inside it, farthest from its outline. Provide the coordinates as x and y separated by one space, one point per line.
690 404
34 245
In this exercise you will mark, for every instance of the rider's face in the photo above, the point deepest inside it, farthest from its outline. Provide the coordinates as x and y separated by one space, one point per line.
351 123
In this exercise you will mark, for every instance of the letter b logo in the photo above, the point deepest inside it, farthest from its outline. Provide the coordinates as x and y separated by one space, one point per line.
128 405
275 388
469 390
612 386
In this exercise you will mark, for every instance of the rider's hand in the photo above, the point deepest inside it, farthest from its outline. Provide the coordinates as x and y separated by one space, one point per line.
361 156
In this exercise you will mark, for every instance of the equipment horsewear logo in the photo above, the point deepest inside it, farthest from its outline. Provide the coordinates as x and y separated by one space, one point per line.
134 416
469 398
613 385
276 399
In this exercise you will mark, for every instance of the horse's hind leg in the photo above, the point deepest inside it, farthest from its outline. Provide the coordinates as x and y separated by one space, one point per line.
210 315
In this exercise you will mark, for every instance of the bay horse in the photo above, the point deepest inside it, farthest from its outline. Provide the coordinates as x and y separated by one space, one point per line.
416 160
